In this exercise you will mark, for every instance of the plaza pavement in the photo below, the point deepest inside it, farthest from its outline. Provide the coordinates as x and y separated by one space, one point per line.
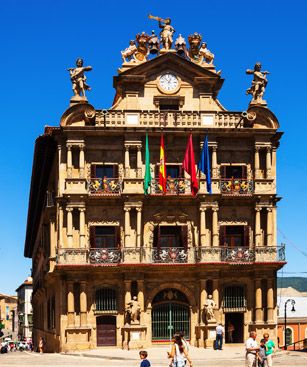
112 357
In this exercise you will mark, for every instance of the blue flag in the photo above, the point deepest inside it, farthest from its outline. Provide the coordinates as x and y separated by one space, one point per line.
204 164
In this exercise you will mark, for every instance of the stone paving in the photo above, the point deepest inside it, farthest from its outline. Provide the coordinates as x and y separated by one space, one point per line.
111 357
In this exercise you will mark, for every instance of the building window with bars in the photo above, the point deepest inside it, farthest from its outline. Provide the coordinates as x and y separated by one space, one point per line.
106 300
234 299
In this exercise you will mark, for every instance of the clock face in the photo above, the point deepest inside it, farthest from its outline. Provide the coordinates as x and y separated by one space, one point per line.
169 82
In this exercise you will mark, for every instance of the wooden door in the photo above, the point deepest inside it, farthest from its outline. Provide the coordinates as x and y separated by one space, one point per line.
106 330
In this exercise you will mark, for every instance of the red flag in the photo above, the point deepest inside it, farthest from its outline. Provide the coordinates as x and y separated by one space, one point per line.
188 165
162 170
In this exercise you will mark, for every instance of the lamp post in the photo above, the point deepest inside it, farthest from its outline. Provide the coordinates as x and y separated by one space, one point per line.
293 310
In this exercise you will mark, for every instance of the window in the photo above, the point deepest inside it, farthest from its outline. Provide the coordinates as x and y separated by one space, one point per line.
173 171
234 297
234 236
170 236
104 171
169 107
104 236
106 300
233 172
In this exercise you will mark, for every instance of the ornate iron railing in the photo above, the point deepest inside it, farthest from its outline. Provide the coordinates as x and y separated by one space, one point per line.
236 186
104 255
241 254
174 186
104 186
169 255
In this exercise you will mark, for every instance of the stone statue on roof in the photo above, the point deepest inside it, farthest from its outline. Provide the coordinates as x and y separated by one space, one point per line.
259 84
166 33
78 79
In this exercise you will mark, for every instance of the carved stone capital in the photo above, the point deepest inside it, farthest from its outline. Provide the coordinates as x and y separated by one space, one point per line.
69 209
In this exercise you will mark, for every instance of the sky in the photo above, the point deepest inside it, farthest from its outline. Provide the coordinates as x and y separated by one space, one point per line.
41 39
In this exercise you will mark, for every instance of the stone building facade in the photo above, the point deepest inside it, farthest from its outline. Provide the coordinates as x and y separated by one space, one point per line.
24 309
97 241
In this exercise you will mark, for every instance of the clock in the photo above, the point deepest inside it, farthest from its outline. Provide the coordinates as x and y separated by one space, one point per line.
169 83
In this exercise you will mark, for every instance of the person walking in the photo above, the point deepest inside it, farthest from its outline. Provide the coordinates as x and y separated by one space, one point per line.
270 347
261 355
41 345
252 349
178 353
219 337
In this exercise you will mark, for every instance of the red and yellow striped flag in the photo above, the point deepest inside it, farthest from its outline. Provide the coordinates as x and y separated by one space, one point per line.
162 170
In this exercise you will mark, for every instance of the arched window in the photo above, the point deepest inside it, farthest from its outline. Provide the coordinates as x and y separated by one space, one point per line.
289 336
106 300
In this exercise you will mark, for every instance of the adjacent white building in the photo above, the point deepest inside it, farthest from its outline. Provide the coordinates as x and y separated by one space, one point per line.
24 308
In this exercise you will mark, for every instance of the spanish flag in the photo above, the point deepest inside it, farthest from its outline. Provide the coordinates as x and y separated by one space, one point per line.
162 170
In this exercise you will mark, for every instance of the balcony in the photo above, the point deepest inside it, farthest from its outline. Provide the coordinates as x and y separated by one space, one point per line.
236 186
174 186
104 186
154 118
170 255
241 254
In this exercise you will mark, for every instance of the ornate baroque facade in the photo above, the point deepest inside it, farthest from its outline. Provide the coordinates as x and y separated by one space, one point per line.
97 241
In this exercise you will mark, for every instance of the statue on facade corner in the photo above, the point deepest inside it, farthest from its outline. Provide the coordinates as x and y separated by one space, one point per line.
129 51
209 309
207 55
78 79
259 83
133 310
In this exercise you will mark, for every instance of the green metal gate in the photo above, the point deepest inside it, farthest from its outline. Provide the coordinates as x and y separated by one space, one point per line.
167 318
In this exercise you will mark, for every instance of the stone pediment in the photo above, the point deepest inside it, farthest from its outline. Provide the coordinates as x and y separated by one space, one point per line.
134 78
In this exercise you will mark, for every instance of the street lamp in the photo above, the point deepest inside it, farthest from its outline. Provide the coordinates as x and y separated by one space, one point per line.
292 310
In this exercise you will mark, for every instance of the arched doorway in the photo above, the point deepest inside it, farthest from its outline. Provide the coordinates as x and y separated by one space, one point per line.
170 313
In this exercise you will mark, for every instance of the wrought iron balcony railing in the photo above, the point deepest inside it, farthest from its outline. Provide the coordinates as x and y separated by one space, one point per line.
241 254
169 255
104 186
104 255
164 255
236 186
174 186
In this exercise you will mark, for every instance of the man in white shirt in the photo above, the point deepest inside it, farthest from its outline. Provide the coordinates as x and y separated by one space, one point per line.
252 348
219 337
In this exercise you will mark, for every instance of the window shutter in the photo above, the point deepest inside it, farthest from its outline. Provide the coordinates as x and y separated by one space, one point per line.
93 236
157 170
184 236
222 235
93 170
156 241
246 236
115 171
117 236
244 172
223 172
181 173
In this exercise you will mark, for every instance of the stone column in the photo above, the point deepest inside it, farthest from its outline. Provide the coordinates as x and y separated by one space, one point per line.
127 226
203 230
70 305
127 292
69 161
139 161
257 162
257 227
60 227
52 238
273 173
138 226
274 226
141 298
269 227
81 161
258 302
69 227
83 304
202 298
214 162
268 162
82 227
216 298
215 231
127 161
270 301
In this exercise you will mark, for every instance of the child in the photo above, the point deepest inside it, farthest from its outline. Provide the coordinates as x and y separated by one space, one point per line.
261 355
145 362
